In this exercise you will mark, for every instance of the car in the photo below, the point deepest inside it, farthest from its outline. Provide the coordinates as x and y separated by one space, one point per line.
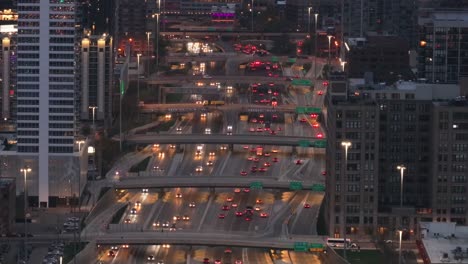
325 83
208 131
239 213
243 173
252 129
324 173
212 154
272 132
178 195
307 205
127 221
209 163
111 253
275 159
234 205
172 146
262 169
313 115
320 92
248 218
206 76
186 218
245 147
253 120
274 150
238 262
114 248
177 218
203 115
225 207
217 261
316 125
229 199
192 205
253 169
150 257
303 120
133 211
259 129
267 164
206 261
246 190
298 162
221 216
160 262
137 203
199 169
178 129
253 150
256 160
257 208
250 158
267 154
319 135
144 190
223 148
237 190
228 251
263 215
259 201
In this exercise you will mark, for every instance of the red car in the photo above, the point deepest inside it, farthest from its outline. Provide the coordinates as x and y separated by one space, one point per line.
263 215
267 154
225 208
325 83
303 120
319 135
316 125
324 173
262 169
248 219
256 160
298 162
221 216
267 164
275 159
306 205
253 169
246 190
320 92
206 261
237 190
239 213
229 199
243 173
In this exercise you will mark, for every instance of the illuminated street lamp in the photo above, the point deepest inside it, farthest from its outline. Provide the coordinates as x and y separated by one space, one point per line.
329 48
157 40
315 46
308 21
93 108
148 33
25 171
345 145
402 169
80 142
138 78
400 232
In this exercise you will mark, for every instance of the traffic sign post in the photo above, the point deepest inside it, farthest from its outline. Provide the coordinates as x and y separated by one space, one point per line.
320 144
308 110
301 82
295 186
316 247
256 185
303 143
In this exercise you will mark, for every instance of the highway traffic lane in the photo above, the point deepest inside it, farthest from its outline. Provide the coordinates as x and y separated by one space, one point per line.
304 258
305 221
146 200
233 223
181 207
255 255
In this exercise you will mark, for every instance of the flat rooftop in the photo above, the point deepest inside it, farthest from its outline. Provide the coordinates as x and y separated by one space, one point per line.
445 239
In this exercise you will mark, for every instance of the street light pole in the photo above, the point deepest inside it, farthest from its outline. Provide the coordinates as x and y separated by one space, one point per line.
25 171
93 108
400 232
329 50
157 42
148 50
402 169
346 145
79 142
315 46
308 21
252 28
138 78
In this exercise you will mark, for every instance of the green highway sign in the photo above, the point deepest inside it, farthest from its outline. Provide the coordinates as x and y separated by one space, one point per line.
274 59
318 188
302 82
315 245
320 144
308 110
295 186
292 60
256 185
301 246
303 143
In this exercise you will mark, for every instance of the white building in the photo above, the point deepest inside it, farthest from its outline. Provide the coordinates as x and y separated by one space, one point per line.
47 101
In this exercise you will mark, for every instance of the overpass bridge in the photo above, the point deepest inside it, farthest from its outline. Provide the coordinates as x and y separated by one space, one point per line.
184 107
204 239
294 141
229 79
256 35
213 182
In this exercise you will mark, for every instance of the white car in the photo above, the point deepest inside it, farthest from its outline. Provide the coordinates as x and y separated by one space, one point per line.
199 169
206 76
207 130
